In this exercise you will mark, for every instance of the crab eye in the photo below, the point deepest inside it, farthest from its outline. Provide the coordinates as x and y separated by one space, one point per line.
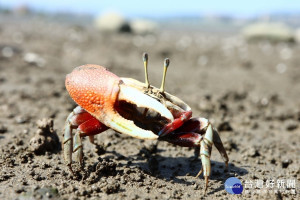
166 65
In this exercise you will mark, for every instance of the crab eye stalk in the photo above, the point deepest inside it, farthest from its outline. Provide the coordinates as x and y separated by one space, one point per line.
166 65
145 59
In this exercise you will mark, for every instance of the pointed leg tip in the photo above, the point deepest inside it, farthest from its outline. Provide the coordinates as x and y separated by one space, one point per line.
71 170
206 184
92 139
200 172
82 165
226 167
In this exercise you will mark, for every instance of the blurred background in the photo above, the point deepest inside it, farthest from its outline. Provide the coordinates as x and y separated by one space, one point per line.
232 12
234 62
210 16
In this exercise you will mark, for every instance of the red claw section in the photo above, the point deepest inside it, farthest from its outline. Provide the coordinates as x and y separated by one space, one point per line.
178 122
188 135
92 127
94 88
86 123
80 118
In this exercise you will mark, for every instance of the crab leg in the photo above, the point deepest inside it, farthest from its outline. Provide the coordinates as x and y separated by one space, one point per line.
77 148
68 142
219 145
205 152
77 116
86 125
203 125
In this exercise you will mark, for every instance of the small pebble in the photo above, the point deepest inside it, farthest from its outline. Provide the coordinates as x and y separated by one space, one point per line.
3 129
291 125
286 163
225 126
20 190
21 119
273 161
253 152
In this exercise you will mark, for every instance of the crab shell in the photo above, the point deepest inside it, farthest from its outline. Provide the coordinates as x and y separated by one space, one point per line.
101 93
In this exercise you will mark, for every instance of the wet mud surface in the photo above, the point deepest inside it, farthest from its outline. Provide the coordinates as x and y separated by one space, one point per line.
250 92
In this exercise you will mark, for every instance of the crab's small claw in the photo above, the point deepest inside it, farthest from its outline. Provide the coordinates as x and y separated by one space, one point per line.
175 124
198 132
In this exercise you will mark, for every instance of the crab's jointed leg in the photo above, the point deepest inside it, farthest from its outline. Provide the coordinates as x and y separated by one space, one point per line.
198 132
86 125
219 145
205 152
211 137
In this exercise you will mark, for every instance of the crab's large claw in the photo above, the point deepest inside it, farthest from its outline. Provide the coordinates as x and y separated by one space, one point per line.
97 90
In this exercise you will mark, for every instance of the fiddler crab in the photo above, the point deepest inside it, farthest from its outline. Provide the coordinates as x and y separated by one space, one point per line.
133 108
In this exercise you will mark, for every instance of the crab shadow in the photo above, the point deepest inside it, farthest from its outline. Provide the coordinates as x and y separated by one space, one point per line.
182 170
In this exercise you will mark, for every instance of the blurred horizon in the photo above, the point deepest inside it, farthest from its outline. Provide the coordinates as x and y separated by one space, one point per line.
161 9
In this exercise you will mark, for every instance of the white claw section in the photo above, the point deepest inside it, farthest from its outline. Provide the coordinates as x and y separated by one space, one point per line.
127 127
136 97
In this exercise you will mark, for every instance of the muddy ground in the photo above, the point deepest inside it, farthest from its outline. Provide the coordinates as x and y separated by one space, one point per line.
250 92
